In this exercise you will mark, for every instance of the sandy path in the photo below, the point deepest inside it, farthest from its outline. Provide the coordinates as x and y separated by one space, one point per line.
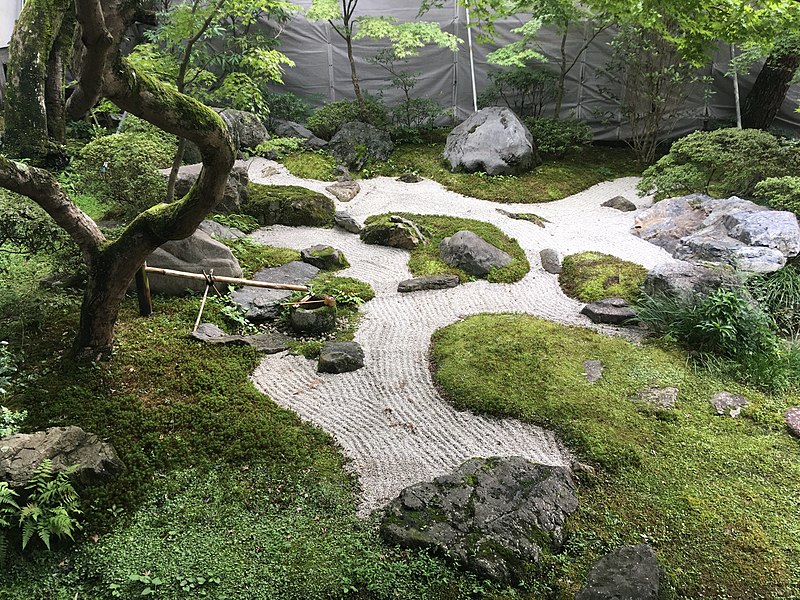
388 417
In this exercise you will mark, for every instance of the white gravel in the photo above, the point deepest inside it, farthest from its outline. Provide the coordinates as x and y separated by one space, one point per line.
388 417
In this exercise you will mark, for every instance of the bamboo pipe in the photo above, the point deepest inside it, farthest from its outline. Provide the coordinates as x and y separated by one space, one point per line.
231 280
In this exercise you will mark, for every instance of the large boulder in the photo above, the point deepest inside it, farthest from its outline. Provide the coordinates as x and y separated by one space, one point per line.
674 279
732 230
235 193
22 453
326 258
263 304
395 231
246 128
628 573
470 252
288 205
196 254
220 231
356 144
292 129
494 141
493 515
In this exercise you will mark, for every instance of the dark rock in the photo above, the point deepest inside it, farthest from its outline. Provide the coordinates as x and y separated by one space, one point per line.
396 232
628 573
246 128
326 258
22 453
356 144
725 403
220 231
492 140
346 222
436 282
612 311
292 129
196 254
313 319
530 217
551 260
262 304
493 515
235 193
269 343
593 370
620 203
344 190
470 252
289 205
658 397
340 357
792 418
673 279
409 178
342 173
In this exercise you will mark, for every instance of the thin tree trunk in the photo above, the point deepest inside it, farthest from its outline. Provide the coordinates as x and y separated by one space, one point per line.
769 90
54 87
362 106
173 174
562 77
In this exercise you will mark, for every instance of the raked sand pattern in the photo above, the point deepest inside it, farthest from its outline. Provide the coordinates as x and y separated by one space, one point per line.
388 417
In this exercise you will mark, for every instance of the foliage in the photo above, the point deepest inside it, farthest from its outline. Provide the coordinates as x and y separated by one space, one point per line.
285 106
25 227
710 493
778 294
311 164
123 168
523 89
558 137
591 276
327 120
51 505
133 124
780 193
9 510
244 223
723 162
279 146
253 257
10 420
346 290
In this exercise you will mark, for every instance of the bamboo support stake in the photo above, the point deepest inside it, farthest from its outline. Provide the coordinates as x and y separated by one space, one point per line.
231 280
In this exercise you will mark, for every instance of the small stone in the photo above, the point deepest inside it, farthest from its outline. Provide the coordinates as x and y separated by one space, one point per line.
436 282
727 403
551 260
340 357
611 311
207 332
409 178
620 203
792 418
268 343
345 221
324 257
593 370
342 173
344 190
628 573
220 231
659 397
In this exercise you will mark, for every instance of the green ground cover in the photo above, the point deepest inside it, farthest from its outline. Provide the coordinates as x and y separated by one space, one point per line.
591 276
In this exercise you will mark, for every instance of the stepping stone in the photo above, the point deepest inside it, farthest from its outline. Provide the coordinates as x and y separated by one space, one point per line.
530 217
397 232
658 397
729 404
593 370
345 221
207 332
344 190
436 282
620 203
262 304
409 178
340 357
269 343
326 258
551 260
792 418
627 573
611 311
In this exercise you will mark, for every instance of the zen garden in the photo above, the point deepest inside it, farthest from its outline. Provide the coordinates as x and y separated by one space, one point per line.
390 299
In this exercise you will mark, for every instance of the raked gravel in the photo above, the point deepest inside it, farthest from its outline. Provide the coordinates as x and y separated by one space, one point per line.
388 417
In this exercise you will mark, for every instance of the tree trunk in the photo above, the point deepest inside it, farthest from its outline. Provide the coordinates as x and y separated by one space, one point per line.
54 87
769 90
362 106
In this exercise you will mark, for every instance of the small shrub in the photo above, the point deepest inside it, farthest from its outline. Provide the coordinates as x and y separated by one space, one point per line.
244 223
591 276
327 120
285 107
25 226
10 420
133 124
279 146
724 162
780 193
9 509
558 137
525 90
779 294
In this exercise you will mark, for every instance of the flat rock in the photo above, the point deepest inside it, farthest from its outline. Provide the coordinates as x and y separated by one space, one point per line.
436 282
658 397
551 260
792 418
470 252
627 573
292 129
530 217
207 332
340 357
620 203
326 258
409 178
356 144
725 403
344 221
593 369
680 278
220 231
611 311
22 453
261 304
269 343
397 232
492 515
344 190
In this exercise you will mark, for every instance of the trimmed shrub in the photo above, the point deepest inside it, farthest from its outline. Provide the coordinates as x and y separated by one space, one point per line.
288 205
724 163
592 276
558 137
327 120
780 193
285 107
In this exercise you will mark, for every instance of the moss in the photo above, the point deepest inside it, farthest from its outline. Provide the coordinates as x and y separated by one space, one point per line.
253 257
311 165
288 205
591 276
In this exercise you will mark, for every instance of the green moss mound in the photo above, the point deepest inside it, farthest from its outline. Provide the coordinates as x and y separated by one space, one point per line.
716 496
591 276
288 205
424 260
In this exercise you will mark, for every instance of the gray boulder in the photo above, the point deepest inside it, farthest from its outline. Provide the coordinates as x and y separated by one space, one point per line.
326 258
220 231
345 221
493 515
235 193
395 231
494 141
551 260
262 304
620 203
611 311
288 205
680 278
292 129
470 252
195 254
436 282
246 128
725 403
628 573
792 418
340 357
344 190
22 453
356 144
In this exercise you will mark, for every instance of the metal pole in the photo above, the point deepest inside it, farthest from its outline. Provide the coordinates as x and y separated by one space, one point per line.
472 64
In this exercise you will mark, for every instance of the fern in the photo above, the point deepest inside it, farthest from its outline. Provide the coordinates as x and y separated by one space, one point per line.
52 505
8 509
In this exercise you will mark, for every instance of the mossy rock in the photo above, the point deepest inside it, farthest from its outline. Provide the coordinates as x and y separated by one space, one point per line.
394 231
592 276
288 205
326 258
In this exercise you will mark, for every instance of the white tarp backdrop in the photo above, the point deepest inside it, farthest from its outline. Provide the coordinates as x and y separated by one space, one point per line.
9 9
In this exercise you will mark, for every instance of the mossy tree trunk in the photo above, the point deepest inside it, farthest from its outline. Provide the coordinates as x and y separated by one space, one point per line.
54 86
769 90
102 71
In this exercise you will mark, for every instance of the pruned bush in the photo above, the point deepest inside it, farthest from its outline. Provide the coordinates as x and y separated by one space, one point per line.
780 193
723 163
558 137
285 107
327 120
525 90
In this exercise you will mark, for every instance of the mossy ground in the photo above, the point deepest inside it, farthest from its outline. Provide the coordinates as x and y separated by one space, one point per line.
591 276
718 498
424 260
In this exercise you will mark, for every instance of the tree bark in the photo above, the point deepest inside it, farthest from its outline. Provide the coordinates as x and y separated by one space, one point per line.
54 87
769 90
